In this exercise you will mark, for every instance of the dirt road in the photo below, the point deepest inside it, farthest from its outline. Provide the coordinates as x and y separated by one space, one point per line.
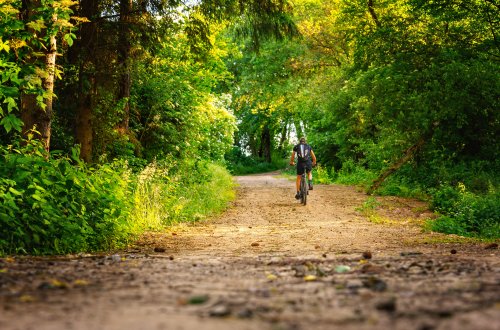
267 263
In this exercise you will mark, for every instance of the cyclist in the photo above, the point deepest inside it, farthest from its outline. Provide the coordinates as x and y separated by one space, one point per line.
305 161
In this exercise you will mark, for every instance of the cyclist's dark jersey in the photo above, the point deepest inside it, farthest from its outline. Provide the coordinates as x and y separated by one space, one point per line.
303 152
304 162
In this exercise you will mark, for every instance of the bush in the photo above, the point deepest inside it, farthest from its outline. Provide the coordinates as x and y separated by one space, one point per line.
322 176
240 164
352 173
59 205
466 213
51 205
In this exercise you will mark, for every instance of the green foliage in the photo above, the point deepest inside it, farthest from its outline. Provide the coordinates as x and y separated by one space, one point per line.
323 175
24 40
177 112
204 189
262 97
239 164
49 205
59 205
351 173
466 213
170 191
369 205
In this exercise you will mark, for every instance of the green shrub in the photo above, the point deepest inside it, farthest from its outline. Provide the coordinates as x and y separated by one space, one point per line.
466 213
52 205
322 175
58 205
352 173
170 191
240 164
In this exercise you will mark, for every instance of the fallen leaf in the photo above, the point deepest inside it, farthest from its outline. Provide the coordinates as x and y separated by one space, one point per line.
4 270
26 298
255 244
80 283
310 278
9 259
198 300
58 284
272 277
342 269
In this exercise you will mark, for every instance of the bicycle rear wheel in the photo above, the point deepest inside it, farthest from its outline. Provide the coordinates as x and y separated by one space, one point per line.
303 190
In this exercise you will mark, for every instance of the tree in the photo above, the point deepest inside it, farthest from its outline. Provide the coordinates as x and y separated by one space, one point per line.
33 28
129 30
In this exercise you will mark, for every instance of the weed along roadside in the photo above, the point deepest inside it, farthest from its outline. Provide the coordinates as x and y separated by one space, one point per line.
266 263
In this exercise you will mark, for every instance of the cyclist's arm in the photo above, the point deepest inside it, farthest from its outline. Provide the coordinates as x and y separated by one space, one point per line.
313 157
292 160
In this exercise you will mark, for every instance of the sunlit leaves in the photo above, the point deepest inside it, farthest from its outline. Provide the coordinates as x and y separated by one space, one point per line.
10 122
24 42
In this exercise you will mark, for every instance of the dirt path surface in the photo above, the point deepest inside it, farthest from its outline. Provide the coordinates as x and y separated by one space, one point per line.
267 263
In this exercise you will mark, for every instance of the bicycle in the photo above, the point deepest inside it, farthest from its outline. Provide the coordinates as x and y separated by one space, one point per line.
304 185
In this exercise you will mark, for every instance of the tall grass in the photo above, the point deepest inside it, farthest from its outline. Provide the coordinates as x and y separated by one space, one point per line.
172 192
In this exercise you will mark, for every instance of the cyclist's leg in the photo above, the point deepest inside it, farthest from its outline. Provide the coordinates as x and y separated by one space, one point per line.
310 175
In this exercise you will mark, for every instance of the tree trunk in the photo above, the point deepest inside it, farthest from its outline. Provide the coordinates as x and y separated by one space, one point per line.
84 129
283 137
407 155
87 83
34 114
266 144
124 47
252 144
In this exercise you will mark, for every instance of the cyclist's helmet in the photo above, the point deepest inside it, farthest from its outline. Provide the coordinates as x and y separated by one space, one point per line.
302 140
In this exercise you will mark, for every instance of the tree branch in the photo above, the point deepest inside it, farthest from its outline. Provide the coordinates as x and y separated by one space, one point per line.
492 31
373 13
407 155
493 3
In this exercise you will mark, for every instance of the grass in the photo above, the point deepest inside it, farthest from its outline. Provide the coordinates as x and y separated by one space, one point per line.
192 193
440 238
208 198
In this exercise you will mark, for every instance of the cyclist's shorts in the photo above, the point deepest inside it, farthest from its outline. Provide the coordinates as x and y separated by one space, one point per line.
304 166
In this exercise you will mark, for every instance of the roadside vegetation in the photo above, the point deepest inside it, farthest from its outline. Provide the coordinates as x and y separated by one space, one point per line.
116 117
399 97
58 204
